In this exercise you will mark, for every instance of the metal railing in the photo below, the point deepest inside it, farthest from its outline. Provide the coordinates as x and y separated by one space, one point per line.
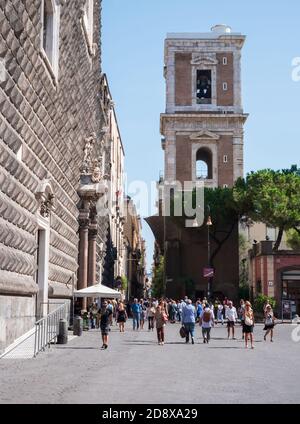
46 329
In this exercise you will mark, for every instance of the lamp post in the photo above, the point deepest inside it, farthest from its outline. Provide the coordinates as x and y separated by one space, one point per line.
208 224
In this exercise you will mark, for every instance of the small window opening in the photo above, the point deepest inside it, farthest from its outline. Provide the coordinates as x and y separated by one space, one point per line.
204 87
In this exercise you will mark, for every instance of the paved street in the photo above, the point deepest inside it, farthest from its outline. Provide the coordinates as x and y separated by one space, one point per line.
136 370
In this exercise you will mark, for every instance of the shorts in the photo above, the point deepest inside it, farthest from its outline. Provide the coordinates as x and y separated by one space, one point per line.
104 330
230 324
269 327
247 329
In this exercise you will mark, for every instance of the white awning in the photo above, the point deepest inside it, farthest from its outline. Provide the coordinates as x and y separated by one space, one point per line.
98 291
291 275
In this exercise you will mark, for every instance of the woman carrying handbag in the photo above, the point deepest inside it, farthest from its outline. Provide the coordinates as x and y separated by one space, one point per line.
269 322
248 318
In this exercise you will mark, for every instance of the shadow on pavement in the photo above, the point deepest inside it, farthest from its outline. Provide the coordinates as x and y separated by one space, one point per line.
225 347
78 348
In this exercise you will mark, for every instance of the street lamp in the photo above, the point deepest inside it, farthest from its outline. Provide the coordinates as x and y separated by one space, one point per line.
208 224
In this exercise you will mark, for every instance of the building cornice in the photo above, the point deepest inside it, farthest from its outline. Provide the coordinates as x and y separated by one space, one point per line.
182 118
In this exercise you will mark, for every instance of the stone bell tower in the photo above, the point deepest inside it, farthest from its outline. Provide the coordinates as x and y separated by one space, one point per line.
203 122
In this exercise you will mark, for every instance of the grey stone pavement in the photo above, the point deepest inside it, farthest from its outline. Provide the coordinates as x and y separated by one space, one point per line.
135 370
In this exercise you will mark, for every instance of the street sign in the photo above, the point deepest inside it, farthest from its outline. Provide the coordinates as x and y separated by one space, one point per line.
208 272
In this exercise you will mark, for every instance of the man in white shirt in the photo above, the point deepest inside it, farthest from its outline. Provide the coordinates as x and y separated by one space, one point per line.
231 316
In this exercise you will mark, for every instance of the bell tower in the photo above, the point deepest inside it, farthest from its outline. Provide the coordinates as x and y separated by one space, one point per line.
204 119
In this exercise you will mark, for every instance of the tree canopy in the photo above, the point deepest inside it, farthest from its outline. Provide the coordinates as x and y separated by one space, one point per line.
158 288
271 197
224 211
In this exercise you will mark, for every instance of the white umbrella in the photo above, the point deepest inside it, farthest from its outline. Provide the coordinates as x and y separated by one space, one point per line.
97 291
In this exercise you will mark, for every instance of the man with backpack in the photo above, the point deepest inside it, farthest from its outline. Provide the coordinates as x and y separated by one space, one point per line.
207 320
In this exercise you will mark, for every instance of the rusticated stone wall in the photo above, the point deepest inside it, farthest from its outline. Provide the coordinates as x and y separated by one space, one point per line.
43 124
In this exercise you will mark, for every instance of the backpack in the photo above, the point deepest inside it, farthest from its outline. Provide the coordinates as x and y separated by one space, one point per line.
206 316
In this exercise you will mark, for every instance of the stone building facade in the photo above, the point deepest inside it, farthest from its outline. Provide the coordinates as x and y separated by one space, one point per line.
135 251
203 132
51 127
114 172
276 275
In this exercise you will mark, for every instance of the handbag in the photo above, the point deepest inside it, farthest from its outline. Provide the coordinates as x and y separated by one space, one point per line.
248 321
165 318
269 320
182 332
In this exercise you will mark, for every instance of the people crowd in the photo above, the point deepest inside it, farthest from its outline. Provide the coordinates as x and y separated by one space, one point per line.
156 313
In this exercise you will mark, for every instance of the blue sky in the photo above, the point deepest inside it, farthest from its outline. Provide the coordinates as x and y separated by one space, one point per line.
133 36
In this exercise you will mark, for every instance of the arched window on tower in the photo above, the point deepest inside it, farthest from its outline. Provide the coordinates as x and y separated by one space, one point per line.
204 164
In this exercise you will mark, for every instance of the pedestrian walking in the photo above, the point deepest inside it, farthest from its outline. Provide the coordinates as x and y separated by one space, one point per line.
93 315
155 302
136 314
225 306
172 308
128 309
164 306
110 307
199 309
188 320
220 316
269 322
160 322
231 316
241 315
105 315
150 316
248 318
143 314
179 310
207 320
121 316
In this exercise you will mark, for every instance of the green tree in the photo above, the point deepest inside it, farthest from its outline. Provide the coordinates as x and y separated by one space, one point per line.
224 210
271 197
262 300
124 283
158 279
293 239
225 213
244 271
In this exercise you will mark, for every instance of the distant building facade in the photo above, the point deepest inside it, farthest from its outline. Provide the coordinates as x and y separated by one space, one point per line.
135 251
114 171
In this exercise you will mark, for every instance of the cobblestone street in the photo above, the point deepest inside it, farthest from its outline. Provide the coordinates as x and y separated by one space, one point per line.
136 370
